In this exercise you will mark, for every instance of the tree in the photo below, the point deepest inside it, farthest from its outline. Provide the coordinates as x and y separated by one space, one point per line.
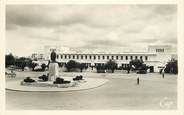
71 64
143 67
29 62
139 65
22 62
100 68
172 67
136 63
18 62
82 66
111 65
9 60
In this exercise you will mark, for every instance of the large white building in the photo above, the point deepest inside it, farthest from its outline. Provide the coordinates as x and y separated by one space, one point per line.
156 56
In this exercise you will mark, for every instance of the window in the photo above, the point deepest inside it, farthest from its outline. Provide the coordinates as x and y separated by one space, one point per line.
126 57
94 57
77 57
146 57
61 56
159 50
73 56
117 57
98 57
86 56
81 56
107 57
131 57
69 56
141 57
121 57
57 56
112 57
65 56
89 57
103 57
135 57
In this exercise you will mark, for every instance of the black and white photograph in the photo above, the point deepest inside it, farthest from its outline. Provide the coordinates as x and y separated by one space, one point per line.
91 57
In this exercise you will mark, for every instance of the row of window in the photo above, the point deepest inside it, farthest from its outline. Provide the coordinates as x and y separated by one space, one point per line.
159 50
94 57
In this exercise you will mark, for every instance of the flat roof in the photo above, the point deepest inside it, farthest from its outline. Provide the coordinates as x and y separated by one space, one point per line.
100 53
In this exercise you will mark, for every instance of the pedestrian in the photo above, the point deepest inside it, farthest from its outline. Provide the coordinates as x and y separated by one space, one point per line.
128 69
138 81
162 73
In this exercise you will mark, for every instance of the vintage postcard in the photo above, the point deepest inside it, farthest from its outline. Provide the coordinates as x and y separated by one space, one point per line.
92 57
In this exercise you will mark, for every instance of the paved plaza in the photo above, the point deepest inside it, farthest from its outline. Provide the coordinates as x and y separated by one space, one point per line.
120 93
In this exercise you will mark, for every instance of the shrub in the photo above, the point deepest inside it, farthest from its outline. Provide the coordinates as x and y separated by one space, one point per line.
60 81
43 77
78 78
28 80
43 66
65 82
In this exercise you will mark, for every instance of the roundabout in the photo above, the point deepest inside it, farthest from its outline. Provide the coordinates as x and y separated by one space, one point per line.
114 91
89 83
53 82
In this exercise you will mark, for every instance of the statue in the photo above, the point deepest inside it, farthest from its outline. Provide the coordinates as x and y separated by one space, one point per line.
53 67
53 56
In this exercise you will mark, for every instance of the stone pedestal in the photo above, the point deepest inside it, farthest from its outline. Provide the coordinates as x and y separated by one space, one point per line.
53 71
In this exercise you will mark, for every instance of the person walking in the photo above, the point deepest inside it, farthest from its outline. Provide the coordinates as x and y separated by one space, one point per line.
138 81
128 69
163 73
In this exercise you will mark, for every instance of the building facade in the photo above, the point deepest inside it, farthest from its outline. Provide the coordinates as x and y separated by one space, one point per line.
156 56
37 56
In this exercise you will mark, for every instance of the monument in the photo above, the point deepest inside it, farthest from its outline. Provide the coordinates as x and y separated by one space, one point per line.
53 72
54 82
52 79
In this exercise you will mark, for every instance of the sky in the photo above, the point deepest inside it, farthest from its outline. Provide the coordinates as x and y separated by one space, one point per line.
30 27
